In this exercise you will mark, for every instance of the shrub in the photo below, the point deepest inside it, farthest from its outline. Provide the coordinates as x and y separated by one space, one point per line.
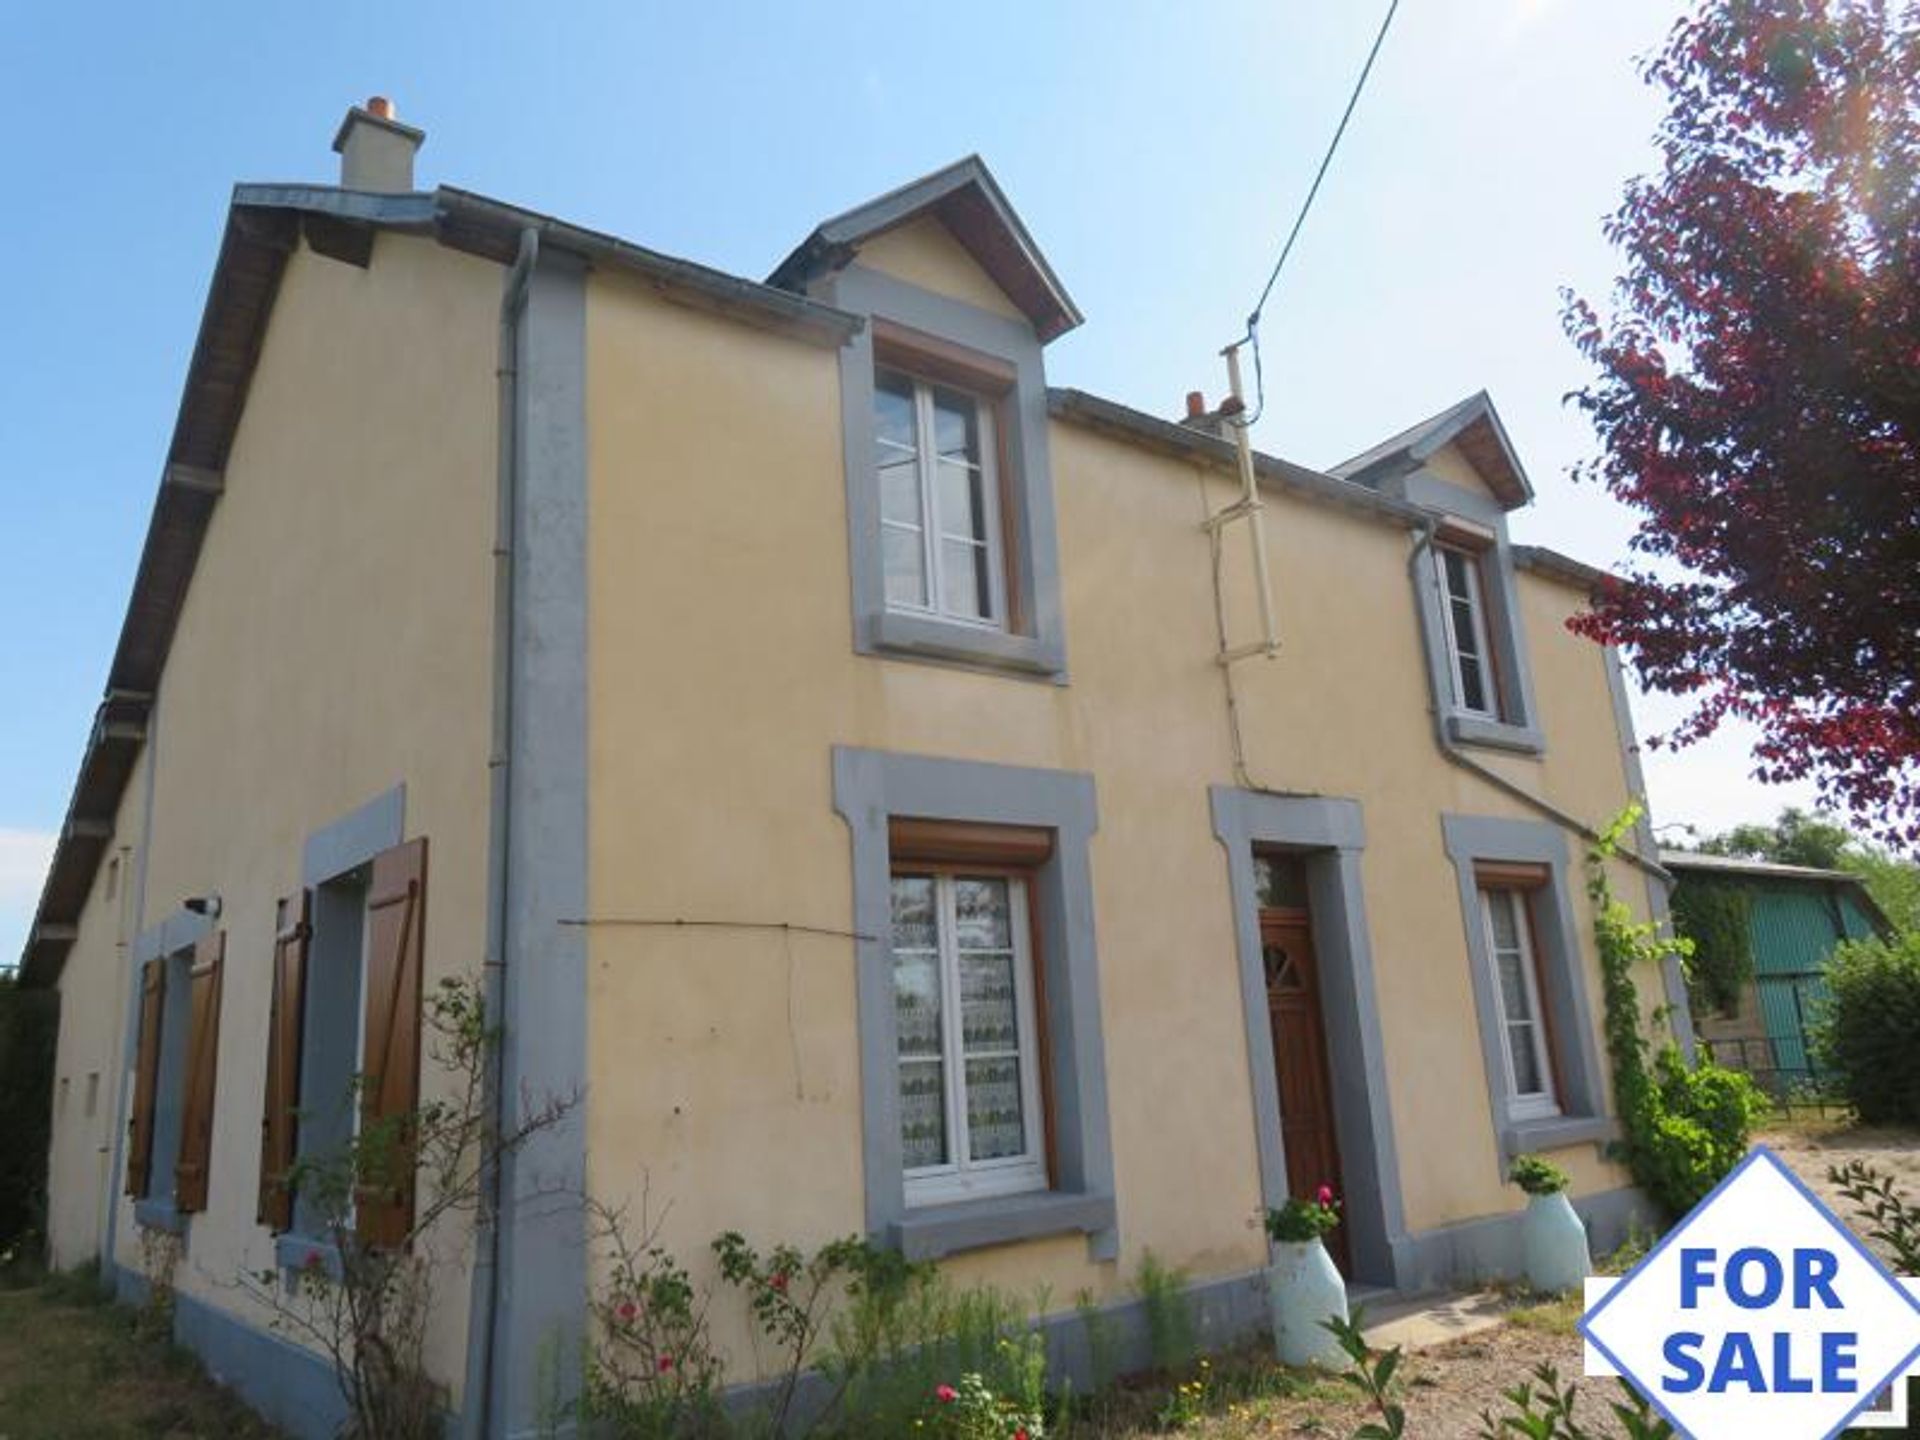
1537 1175
1696 1130
972 1410
1684 1127
1889 1220
1865 1033
1163 1294
651 1370
1299 1221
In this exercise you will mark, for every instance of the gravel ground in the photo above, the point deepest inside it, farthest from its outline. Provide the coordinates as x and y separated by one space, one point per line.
1811 1148
1447 1387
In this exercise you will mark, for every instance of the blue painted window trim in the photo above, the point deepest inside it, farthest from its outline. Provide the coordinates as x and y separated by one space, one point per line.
1519 730
171 941
1474 840
872 786
333 851
1038 650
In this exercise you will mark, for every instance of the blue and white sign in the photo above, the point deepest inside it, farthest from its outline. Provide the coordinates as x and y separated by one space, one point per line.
1760 1314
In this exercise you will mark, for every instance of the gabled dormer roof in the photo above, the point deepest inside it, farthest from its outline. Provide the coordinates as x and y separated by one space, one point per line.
1473 427
969 202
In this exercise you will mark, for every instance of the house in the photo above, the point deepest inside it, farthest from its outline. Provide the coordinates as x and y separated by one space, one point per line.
748 676
1795 915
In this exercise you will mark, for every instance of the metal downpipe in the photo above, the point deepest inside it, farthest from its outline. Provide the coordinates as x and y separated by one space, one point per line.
476 1413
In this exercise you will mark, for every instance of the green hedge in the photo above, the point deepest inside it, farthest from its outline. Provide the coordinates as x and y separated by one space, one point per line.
29 1029
1718 919
1868 1034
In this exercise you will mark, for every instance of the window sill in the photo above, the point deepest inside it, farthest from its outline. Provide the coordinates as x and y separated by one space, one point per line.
295 1253
940 1230
1495 734
159 1215
1556 1132
892 633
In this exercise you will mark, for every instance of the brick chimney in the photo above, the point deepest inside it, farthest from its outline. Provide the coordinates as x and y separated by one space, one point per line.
376 150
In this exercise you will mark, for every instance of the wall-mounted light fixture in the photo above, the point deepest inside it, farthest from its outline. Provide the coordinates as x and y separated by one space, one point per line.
207 905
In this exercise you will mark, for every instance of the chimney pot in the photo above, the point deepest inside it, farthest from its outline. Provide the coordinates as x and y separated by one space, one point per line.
1196 405
376 150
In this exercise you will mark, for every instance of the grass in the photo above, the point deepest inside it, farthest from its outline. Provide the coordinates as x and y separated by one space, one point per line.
1235 1394
73 1366
1560 1314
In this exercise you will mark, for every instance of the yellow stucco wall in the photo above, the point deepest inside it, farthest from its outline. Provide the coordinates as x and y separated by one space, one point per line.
925 253
724 1064
1450 465
94 992
335 643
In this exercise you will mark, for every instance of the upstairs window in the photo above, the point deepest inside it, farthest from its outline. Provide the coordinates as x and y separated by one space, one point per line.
934 449
1527 1045
1464 616
971 1121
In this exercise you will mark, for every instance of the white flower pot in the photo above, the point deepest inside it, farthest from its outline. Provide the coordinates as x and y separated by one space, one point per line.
1303 1289
1555 1244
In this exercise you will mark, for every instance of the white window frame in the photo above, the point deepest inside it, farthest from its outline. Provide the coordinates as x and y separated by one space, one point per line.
927 468
1481 637
963 1178
1528 1105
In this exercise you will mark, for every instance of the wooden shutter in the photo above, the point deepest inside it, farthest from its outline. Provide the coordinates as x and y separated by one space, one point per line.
203 1056
146 1076
390 1061
280 1118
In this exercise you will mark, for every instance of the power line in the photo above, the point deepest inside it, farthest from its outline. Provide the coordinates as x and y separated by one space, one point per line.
1299 221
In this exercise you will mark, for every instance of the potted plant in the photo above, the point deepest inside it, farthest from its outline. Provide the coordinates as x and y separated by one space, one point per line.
1553 1238
1304 1290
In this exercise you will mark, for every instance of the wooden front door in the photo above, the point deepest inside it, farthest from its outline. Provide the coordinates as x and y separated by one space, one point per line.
1300 1063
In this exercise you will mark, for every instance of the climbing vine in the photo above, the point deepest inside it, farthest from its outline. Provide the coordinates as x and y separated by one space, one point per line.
1683 1126
1718 920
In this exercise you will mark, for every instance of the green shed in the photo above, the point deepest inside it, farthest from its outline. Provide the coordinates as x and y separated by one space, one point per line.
1796 915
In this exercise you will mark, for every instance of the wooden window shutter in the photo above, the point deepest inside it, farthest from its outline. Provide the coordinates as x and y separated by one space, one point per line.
146 1076
390 1061
280 1118
203 1057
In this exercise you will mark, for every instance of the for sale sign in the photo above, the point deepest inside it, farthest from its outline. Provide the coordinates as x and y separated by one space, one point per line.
1759 1315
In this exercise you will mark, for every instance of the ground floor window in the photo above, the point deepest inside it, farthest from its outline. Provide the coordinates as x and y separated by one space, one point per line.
963 971
1505 912
982 1067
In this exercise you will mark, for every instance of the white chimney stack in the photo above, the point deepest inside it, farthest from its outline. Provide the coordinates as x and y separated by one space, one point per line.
376 150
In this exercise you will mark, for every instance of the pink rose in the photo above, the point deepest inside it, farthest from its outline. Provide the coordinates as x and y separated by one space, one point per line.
627 1310
1324 1195
945 1394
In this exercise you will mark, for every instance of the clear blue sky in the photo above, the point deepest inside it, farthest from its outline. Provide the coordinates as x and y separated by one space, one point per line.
1156 151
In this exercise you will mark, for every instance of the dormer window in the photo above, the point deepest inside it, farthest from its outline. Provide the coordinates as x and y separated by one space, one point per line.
1460 470
1464 616
935 454
944 417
